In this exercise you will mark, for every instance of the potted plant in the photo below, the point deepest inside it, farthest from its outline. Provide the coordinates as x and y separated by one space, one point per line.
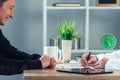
67 34
66 30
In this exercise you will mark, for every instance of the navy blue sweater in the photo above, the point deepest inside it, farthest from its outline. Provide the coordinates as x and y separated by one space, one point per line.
13 61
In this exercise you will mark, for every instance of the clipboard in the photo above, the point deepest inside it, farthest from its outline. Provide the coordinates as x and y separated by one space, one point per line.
78 69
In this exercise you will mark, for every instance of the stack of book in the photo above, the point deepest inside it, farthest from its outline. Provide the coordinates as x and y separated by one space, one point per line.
66 4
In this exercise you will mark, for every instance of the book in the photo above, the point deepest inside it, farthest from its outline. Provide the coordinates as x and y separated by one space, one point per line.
66 4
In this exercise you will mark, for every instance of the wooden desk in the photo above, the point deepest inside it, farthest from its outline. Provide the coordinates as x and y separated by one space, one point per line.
51 74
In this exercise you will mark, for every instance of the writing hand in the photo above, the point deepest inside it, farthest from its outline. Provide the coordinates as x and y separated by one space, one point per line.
93 59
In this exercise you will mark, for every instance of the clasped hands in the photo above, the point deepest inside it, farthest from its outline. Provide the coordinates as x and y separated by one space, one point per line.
47 61
93 61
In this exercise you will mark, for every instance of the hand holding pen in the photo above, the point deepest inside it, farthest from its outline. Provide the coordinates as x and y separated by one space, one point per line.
91 59
84 59
88 59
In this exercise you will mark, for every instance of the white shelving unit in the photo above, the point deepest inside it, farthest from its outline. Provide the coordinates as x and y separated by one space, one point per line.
87 9
104 8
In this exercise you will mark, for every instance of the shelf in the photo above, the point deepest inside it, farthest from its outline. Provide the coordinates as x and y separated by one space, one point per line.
79 51
66 7
104 8
101 51
93 51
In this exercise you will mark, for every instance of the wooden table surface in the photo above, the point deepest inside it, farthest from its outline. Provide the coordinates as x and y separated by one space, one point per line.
52 74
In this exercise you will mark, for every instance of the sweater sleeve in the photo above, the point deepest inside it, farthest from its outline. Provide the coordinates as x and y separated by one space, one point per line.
10 70
13 66
32 64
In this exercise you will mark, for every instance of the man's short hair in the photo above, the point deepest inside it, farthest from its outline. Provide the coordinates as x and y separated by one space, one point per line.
2 1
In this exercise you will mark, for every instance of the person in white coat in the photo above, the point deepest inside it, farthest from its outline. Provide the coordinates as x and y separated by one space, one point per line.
109 61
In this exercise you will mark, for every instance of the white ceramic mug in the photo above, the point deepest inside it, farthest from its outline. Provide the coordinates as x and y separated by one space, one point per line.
53 51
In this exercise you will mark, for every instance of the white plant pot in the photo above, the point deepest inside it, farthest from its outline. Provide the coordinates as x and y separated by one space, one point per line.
66 50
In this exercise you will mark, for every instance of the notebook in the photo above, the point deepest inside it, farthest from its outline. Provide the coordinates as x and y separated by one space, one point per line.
78 69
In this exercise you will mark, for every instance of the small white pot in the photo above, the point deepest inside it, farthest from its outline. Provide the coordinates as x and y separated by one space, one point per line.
66 50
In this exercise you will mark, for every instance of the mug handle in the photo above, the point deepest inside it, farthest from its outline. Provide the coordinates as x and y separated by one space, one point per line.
60 54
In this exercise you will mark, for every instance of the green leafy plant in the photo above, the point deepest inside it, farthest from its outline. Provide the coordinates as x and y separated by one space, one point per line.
66 30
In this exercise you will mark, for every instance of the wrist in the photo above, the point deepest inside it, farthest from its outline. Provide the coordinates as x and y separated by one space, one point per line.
104 60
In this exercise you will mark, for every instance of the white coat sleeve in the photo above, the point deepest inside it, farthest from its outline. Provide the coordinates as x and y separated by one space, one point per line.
114 60
113 55
113 64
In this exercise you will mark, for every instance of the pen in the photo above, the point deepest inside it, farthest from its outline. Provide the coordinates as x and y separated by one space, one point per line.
88 56
87 66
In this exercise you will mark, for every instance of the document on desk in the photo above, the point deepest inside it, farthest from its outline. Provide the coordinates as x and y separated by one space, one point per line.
71 66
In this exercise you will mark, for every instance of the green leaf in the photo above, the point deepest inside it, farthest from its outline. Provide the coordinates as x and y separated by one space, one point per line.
66 30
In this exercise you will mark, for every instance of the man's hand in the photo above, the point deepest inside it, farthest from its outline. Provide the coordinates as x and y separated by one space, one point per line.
101 63
53 62
93 59
45 60
48 61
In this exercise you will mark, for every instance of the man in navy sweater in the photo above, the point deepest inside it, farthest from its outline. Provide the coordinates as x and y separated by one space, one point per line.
13 61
